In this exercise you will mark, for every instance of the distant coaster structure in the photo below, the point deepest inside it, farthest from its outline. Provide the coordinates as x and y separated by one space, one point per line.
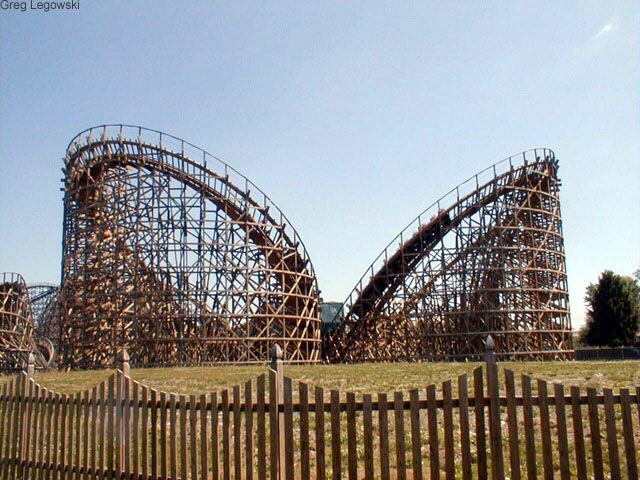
16 325
486 258
172 253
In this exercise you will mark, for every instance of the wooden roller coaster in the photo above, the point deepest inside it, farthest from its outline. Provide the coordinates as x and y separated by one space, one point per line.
175 255
16 326
489 260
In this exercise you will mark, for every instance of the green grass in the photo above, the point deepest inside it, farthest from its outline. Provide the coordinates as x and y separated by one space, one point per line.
359 378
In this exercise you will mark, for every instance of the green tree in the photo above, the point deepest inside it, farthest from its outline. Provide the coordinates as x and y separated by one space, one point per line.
613 310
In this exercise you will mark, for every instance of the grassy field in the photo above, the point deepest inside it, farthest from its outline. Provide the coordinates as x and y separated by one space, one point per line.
360 378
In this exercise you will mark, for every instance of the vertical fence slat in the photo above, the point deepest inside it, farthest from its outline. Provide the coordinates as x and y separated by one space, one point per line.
561 425
303 392
248 441
110 425
481 441
434 448
163 434
3 418
226 433
237 455
26 425
627 433
578 433
367 419
336 461
12 421
42 425
495 423
261 433
512 420
449 454
119 434
529 428
173 432
319 418
64 433
126 428
273 423
144 433
612 440
545 427
288 427
183 436
35 431
594 430
15 438
86 433
465 440
193 436
78 433
102 439
383 427
416 442
215 443
135 429
153 437
204 439
401 458
352 451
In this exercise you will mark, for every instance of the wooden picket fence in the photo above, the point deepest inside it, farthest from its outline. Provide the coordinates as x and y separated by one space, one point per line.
279 428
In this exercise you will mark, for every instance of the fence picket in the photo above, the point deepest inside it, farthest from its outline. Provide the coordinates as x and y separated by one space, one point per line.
193 437
163 434
144 433
432 417
416 443
561 425
383 426
465 441
612 439
248 401
204 439
627 432
336 461
320 448
447 409
594 430
237 454
578 434
352 453
303 392
288 427
135 428
261 433
215 445
368 439
226 444
545 428
183 437
481 439
512 421
173 436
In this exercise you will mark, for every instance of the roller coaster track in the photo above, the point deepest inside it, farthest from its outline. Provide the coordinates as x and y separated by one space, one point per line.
477 266
205 270
16 325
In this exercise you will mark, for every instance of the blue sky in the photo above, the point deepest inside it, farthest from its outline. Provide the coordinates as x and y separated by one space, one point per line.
351 117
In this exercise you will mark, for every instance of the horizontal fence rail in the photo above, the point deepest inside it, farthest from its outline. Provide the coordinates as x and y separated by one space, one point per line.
483 425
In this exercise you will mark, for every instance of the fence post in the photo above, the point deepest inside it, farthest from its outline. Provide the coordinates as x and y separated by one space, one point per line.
122 402
495 428
277 365
122 361
24 408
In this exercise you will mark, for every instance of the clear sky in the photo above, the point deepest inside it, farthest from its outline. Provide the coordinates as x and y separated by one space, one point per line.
352 117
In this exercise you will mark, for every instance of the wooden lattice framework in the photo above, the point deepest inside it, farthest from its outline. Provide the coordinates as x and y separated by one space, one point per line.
172 253
16 325
487 258
44 302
